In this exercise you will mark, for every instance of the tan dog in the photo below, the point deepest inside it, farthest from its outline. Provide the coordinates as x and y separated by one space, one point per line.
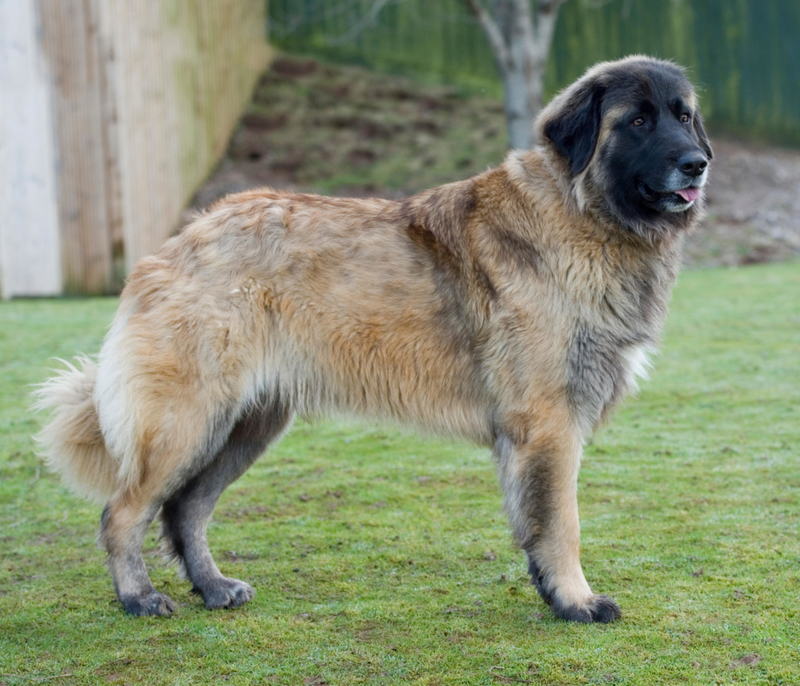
513 309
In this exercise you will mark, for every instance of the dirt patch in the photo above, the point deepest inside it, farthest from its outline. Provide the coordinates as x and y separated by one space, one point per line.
753 207
347 131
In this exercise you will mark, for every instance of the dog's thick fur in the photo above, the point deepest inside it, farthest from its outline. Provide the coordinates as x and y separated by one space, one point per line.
513 309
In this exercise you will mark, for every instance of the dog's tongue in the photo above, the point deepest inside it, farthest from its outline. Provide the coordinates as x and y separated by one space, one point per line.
689 194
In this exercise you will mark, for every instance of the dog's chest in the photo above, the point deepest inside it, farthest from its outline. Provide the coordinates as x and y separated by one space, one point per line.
636 363
601 368
609 349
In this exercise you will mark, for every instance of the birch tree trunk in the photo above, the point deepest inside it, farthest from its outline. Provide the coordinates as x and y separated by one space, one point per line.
520 33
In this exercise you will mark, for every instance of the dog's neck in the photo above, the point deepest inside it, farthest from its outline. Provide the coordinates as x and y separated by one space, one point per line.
581 195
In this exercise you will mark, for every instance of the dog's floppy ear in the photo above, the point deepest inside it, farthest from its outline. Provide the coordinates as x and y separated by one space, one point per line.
702 137
572 123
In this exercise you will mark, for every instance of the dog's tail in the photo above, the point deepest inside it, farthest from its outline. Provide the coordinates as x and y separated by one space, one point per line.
72 441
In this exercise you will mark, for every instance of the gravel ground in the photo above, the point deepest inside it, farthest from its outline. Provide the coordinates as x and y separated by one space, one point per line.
753 207
347 131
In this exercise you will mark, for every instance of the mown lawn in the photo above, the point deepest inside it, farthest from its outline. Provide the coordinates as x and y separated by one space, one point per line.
381 558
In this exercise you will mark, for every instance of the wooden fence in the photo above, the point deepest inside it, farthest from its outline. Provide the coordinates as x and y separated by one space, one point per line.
138 100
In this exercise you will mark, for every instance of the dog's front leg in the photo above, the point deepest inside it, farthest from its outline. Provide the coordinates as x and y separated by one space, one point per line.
539 475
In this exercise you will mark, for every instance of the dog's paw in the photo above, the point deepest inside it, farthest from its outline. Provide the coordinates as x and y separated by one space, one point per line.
599 608
225 593
152 603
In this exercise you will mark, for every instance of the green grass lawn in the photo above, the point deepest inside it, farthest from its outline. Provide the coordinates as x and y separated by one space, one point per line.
381 558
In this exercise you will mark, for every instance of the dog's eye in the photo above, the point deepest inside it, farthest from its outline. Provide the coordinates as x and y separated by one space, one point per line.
685 118
639 121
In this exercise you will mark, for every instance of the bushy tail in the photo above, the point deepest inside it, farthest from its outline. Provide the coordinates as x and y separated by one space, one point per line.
72 441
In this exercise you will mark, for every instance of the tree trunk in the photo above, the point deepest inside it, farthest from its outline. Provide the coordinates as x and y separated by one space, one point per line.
515 71
520 38
539 52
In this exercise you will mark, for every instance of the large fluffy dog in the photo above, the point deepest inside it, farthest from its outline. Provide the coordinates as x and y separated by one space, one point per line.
514 309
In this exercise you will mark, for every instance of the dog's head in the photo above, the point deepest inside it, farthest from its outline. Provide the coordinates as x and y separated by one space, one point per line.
629 138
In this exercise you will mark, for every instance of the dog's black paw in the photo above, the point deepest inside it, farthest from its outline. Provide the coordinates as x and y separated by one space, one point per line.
152 603
599 608
225 593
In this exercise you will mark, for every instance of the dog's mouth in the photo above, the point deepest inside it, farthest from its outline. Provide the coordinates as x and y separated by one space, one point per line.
682 197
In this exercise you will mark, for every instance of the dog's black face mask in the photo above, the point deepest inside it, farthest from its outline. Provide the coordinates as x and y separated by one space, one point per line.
644 144
657 150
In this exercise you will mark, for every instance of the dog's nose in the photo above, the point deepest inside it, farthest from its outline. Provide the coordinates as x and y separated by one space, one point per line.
693 163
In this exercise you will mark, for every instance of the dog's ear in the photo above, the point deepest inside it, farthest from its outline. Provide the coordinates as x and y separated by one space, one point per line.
702 137
572 123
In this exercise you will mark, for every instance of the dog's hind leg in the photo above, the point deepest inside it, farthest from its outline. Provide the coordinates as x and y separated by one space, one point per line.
123 526
185 514
540 479
180 449
162 468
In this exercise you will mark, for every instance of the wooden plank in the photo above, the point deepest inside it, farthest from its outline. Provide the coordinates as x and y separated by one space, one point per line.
184 71
30 256
70 33
110 143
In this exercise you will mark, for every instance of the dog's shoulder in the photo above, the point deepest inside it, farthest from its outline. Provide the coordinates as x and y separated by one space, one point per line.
436 219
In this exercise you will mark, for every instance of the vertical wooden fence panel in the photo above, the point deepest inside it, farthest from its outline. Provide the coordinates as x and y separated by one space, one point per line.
71 40
111 146
184 71
30 256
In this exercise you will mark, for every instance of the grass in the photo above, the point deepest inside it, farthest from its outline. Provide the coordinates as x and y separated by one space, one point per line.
380 558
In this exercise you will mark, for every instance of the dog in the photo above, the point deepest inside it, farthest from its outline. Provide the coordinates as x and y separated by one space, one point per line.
513 309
